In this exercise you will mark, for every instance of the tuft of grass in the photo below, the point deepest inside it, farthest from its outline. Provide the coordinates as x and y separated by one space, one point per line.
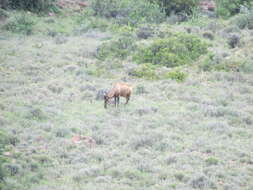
140 89
12 169
62 132
202 182
179 176
177 75
211 161
36 114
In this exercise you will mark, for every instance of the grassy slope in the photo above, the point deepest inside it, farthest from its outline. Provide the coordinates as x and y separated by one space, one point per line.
196 134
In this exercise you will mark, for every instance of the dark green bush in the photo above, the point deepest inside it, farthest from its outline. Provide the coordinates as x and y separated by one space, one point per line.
243 21
31 5
176 6
128 11
145 31
4 4
20 24
234 40
179 49
226 8
3 14
119 48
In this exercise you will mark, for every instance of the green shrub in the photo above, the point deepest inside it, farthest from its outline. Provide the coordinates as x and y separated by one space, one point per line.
177 75
20 24
176 6
208 35
243 21
176 50
207 64
212 161
31 5
149 71
247 67
128 11
234 40
3 14
36 114
216 63
146 71
226 8
119 48
145 31
179 176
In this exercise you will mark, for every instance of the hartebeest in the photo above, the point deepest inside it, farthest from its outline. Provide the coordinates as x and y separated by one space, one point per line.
119 89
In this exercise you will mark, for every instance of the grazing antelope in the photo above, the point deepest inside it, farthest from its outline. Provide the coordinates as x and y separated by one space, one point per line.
119 89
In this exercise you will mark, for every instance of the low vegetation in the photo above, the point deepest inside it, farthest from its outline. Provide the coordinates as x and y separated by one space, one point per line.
20 24
188 124
31 5
127 12
226 8
176 6
176 50
117 48
3 159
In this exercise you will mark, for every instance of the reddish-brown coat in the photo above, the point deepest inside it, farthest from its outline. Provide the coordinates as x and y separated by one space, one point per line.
119 89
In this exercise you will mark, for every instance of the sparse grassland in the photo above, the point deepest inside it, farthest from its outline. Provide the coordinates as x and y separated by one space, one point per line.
187 127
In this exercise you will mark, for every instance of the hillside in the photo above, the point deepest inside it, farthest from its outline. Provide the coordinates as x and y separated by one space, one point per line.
188 124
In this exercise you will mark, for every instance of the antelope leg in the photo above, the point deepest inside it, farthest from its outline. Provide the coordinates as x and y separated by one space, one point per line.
127 99
115 101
